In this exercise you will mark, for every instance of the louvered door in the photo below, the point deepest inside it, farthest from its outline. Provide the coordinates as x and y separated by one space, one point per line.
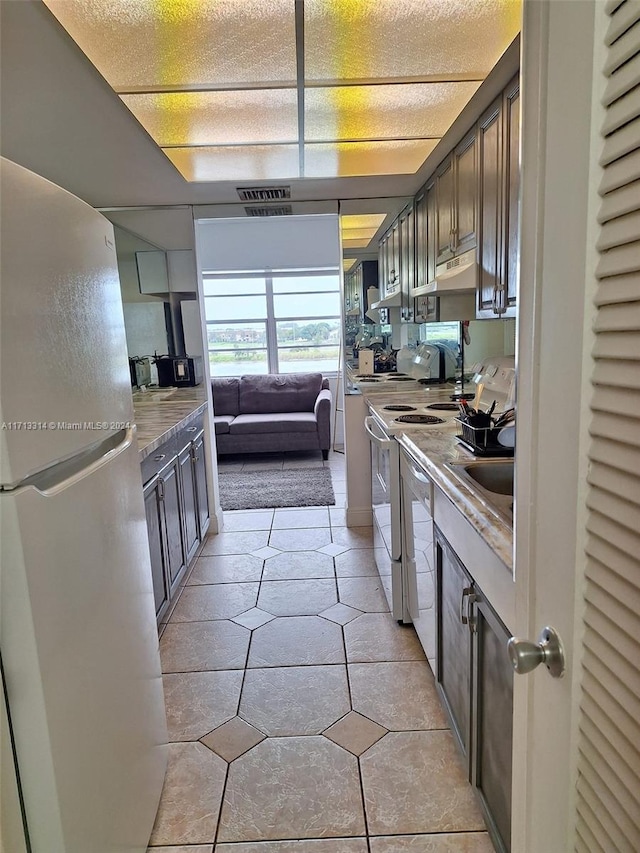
608 807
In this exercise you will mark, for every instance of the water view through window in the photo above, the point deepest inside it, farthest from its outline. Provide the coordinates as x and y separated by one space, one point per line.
273 322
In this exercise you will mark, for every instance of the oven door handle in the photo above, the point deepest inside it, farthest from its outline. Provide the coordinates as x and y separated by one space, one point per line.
377 439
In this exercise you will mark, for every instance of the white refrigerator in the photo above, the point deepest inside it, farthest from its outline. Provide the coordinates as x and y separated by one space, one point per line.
84 728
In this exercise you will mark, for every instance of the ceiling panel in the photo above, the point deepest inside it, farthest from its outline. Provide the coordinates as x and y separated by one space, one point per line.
385 111
372 40
141 45
218 118
366 158
243 163
350 221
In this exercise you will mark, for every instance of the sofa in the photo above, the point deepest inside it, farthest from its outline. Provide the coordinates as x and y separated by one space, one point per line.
272 413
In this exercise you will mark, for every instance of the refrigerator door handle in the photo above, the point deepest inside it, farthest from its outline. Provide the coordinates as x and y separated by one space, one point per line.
64 475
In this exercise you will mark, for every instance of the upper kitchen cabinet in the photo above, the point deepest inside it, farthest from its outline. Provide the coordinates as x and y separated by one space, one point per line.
396 264
425 306
389 261
407 262
356 284
457 200
499 181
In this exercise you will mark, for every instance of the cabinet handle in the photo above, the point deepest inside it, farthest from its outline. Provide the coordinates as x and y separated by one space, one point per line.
160 490
468 597
191 429
159 457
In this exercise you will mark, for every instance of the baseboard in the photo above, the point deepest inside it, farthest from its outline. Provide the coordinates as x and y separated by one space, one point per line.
360 517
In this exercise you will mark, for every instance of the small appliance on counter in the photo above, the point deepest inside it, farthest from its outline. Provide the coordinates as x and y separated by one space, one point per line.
180 371
434 364
140 370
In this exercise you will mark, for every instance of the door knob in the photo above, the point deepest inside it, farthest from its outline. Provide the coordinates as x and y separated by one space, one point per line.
525 656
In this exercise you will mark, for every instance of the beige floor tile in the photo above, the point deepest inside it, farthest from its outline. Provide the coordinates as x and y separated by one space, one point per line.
297 598
235 543
294 700
218 601
265 553
198 702
353 537
337 516
290 519
357 563
340 613
296 641
236 568
292 788
400 696
306 539
448 842
363 593
377 637
253 618
298 565
317 845
333 549
198 646
239 521
414 782
191 796
355 733
233 739
198 848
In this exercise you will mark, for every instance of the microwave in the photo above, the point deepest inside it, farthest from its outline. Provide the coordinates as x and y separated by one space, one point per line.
179 371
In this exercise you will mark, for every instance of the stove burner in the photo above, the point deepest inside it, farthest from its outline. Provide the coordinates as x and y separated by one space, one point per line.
368 379
399 378
444 407
365 376
419 419
399 408
395 373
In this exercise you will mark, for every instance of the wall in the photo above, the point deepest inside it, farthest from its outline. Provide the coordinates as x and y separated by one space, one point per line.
286 242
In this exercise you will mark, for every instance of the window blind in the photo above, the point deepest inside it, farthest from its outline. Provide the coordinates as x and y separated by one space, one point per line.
608 805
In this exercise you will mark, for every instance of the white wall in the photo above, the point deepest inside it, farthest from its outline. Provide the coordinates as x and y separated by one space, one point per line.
280 242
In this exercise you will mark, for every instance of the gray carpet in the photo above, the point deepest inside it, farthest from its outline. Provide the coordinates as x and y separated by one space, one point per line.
275 488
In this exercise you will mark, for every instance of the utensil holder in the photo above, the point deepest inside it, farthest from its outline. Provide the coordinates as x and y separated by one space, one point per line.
480 437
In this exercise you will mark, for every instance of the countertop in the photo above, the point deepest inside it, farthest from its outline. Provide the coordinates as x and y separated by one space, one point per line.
432 449
159 415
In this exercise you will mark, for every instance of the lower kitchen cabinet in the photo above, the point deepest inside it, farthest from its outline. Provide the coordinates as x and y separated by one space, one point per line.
475 682
177 511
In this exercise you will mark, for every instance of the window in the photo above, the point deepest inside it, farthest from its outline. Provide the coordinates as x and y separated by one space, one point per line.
273 322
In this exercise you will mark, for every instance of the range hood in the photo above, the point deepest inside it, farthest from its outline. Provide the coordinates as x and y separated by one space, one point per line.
391 301
459 275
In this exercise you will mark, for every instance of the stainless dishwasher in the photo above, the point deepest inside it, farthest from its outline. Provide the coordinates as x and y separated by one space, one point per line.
419 552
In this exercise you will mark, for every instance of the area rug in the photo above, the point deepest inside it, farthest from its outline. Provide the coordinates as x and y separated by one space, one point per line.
275 488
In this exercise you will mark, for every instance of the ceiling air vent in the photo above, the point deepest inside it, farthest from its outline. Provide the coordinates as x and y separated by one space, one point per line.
263 193
270 210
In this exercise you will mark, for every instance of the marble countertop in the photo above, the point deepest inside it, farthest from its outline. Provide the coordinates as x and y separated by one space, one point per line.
433 449
159 415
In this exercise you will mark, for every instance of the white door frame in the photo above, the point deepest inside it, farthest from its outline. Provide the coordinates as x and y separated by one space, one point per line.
553 366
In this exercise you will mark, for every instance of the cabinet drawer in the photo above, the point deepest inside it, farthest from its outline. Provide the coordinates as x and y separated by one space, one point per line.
188 433
157 459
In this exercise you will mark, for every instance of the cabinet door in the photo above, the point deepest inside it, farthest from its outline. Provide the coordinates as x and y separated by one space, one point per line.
493 715
172 499
154 513
465 204
490 251
201 484
453 587
511 161
421 224
189 502
432 221
444 211
383 263
393 260
407 263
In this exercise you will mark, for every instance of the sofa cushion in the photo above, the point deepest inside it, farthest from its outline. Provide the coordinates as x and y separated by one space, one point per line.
221 423
280 422
226 395
292 392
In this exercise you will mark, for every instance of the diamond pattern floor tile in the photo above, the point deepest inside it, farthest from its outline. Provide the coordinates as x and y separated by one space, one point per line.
253 618
233 739
333 550
197 702
355 733
266 552
340 613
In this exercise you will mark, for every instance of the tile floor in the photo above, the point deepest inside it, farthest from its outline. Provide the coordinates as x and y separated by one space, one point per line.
302 718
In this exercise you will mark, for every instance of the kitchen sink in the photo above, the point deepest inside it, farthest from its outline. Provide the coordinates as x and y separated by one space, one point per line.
492 480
